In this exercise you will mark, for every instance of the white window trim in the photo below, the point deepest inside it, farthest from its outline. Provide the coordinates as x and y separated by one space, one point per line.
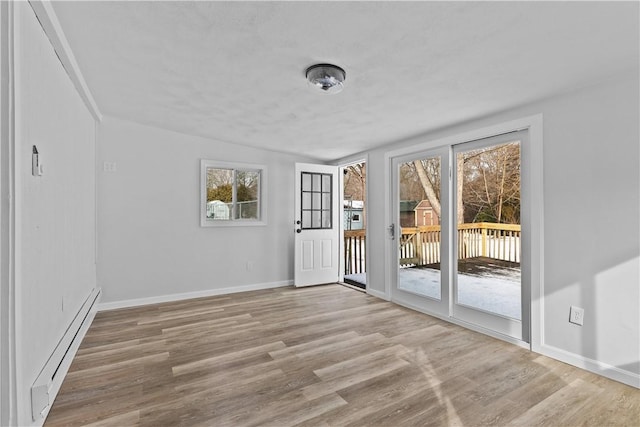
262 191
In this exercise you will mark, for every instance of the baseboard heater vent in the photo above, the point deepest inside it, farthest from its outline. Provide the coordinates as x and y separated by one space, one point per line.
46 386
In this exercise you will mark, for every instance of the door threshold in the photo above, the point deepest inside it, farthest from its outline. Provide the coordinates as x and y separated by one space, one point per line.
356 288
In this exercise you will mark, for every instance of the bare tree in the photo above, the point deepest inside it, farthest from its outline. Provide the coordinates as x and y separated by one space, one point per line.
492 184
218 177
429 173
410 186
355 179
488 183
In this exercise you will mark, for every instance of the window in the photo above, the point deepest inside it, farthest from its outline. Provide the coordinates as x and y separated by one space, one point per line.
232 194
316 201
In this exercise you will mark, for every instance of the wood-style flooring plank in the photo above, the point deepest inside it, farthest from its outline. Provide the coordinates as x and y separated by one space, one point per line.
319 356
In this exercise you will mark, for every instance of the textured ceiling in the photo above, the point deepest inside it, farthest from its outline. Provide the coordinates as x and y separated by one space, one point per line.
234 71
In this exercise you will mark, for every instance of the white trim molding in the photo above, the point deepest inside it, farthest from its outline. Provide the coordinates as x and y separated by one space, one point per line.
591 365
8 376
52 28
378 294
190 295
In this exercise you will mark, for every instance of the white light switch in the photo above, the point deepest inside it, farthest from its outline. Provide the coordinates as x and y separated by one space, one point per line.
109 167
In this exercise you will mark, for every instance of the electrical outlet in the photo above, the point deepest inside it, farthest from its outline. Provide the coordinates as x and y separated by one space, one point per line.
249 265
576 315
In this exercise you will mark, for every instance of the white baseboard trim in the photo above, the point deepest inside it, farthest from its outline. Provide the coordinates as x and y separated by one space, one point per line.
377 294
595 366
190 295
464 324
46 386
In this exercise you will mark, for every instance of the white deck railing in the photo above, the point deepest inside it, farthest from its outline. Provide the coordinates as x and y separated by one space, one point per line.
421 245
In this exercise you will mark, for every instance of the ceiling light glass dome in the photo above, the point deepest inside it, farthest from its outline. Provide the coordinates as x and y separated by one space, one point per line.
326 77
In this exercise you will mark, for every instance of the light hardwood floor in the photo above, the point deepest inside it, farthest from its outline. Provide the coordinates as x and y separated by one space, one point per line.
320 356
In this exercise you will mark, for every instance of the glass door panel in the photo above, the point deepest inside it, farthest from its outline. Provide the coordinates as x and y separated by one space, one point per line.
419 219
487 276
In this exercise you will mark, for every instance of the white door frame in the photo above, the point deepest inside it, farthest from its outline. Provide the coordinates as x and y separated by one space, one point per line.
532 215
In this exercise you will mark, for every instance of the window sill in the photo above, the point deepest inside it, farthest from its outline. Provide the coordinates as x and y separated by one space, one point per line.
237 223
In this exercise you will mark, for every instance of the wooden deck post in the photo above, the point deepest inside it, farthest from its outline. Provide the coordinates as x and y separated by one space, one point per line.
484 240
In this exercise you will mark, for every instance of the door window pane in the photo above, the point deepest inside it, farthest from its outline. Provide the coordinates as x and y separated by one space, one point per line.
326 219
306 201
316 221
419 243
306 182
488 241
316 208
326 183
326 200
306 219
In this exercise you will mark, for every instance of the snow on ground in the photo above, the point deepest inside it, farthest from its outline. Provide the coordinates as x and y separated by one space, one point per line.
493 292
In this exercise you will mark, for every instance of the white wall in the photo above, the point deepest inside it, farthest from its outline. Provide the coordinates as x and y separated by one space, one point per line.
591 215
150 241
7 383
54 213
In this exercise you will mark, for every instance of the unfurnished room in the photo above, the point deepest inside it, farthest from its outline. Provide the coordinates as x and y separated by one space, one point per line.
319 213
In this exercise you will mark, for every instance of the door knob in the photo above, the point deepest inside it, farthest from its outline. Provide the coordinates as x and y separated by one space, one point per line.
298 231
298 222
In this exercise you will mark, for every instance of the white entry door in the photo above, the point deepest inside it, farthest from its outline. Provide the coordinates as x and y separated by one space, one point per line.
316 227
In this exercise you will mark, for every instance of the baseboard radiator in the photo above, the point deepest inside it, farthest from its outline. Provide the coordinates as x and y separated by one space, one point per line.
46 386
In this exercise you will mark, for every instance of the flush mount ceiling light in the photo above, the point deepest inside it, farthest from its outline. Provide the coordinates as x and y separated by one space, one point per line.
326 77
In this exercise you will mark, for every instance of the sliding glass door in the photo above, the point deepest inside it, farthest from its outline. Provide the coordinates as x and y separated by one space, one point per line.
457 230
487 281
419 278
